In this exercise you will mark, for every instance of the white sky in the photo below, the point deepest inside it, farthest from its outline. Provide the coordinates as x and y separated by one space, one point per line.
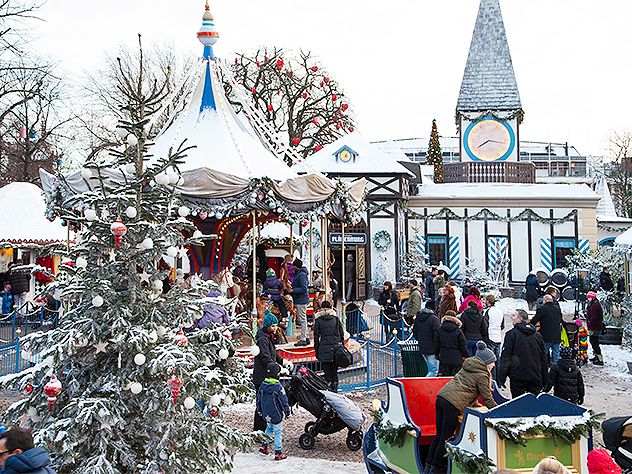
400 62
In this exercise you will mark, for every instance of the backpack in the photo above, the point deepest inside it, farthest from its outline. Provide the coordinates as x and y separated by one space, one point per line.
342 356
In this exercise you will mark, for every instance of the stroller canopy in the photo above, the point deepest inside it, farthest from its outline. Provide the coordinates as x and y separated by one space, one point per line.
348 411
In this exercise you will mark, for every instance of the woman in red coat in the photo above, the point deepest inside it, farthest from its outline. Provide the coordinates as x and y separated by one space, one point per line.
594 321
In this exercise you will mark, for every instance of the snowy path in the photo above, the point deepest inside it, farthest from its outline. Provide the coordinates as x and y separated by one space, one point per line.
256 463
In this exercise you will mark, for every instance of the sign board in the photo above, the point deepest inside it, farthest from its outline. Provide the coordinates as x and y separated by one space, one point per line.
351 238
537 448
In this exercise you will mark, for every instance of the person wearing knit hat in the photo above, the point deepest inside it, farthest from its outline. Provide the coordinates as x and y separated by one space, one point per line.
594 321
485 354
566 379
599 461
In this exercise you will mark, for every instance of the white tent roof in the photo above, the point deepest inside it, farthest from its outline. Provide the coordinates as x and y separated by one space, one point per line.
605 207
22 213
275 230
624 240
368 158
223 140
506 190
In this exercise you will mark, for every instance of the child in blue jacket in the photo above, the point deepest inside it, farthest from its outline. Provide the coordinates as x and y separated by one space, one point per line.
272 404
7 299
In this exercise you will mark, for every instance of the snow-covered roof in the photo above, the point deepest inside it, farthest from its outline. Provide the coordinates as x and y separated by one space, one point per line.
624 240
489 82
605 208
476 191
362 158
275 230
22 213
223 140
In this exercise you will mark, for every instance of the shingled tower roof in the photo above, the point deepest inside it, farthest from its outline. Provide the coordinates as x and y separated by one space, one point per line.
489 82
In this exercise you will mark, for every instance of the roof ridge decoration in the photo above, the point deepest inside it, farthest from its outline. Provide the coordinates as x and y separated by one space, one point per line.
605 206
489 82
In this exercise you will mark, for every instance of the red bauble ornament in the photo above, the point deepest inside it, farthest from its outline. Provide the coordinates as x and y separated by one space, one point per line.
318 147
118 230
236 61
258 63
214 412
334 97
344 107
338 126
289 74
265 59
314 68
296 141
28 388
181 339
326 80
351 129
279 64
304 95
175 384
254 90
322 83
52 389
315 121
270 108
304 223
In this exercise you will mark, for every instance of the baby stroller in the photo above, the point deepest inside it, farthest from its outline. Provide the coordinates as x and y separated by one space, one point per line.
617 436
333 412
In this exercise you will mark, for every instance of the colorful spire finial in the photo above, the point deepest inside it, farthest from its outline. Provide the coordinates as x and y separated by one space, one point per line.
208 35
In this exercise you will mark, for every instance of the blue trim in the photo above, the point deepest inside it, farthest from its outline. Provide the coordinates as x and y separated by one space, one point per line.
439 240
530 406
208 52
208 98
608 241
512 139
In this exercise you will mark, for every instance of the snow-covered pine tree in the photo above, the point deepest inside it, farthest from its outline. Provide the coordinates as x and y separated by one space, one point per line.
132 384
413 262
435 156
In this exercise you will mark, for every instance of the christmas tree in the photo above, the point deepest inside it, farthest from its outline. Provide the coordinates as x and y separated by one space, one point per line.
413 262
121 388
434 156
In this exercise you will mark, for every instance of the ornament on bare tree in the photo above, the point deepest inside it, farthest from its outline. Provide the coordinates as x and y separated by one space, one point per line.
314 68
175 384
130 168
118 230
279 64
52 389
147 243
162 179
318 147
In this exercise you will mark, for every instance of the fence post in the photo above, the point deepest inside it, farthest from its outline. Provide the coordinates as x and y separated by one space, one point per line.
395 357
17 354
382 327
368 365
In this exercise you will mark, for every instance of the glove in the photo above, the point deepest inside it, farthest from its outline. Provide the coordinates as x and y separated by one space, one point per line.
288 364
284 371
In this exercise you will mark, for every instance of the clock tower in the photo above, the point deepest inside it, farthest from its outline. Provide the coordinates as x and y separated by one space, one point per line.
489 111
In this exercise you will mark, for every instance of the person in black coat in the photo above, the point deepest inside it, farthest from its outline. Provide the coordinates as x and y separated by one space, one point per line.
523 359
267 355
451 347
566 379
474 327
549 315
605 280
429 283
328 334
20 282
426 332
531 290
389 302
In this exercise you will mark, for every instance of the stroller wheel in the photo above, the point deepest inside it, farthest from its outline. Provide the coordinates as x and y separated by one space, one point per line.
354 440
309 427
306 441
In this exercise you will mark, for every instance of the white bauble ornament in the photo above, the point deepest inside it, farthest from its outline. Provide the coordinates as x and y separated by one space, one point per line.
162 179
131 140
172 251
180 181
218 216
26 355
153 337
198 234
254 350
158 286
31 412
121 132
57 294
97 301
131 212
189 403
173 175
105 214
130 168
223 353
183 211
215 400
147 243
140 359
161 331
90 215
394 332
376 405
136 388
228 401
164 455
81 262
86 173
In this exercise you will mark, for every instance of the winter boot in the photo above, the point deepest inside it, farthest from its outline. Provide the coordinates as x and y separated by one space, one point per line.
279 456
264 449
599 360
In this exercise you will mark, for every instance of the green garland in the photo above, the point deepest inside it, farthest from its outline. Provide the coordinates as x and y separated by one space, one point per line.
382 241
316 240
469 462
519 431
476 116
387 432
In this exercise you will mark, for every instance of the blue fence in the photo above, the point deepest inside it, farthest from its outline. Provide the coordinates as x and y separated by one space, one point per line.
11 358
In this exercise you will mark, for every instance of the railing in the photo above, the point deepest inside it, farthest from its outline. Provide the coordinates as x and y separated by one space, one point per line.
22 322
490 172
12 360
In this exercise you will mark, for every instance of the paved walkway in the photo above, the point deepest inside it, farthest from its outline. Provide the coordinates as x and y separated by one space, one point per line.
258 464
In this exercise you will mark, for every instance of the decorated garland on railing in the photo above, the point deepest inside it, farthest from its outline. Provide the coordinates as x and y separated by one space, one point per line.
469 462
389 433
564 430
382 241
476 116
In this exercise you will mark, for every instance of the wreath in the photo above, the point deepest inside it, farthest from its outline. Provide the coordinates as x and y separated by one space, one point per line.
316 240
382 241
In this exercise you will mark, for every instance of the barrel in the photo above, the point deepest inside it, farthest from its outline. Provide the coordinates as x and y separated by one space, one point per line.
542 276
559 278
568 293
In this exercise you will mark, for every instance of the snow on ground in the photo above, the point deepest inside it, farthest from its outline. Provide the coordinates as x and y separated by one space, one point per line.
257 463
615 361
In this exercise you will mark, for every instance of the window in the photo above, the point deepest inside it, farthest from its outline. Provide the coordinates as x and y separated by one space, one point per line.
437 249
561 249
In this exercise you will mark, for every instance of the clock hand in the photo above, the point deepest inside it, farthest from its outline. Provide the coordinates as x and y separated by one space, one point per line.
496 141
486 141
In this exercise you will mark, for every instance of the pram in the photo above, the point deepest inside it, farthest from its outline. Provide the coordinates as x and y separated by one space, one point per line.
617 436
333 412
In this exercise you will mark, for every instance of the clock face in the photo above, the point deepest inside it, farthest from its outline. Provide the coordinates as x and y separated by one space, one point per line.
489 139
345 156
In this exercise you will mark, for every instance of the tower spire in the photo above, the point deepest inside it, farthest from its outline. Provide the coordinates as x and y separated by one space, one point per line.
489 81
208 35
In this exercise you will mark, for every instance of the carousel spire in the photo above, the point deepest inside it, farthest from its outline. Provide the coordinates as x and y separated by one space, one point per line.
208 35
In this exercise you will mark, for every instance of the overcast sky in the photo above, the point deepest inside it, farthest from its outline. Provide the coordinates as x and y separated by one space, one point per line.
400 62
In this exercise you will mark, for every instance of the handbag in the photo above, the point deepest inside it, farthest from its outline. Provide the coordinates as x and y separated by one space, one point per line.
342 356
